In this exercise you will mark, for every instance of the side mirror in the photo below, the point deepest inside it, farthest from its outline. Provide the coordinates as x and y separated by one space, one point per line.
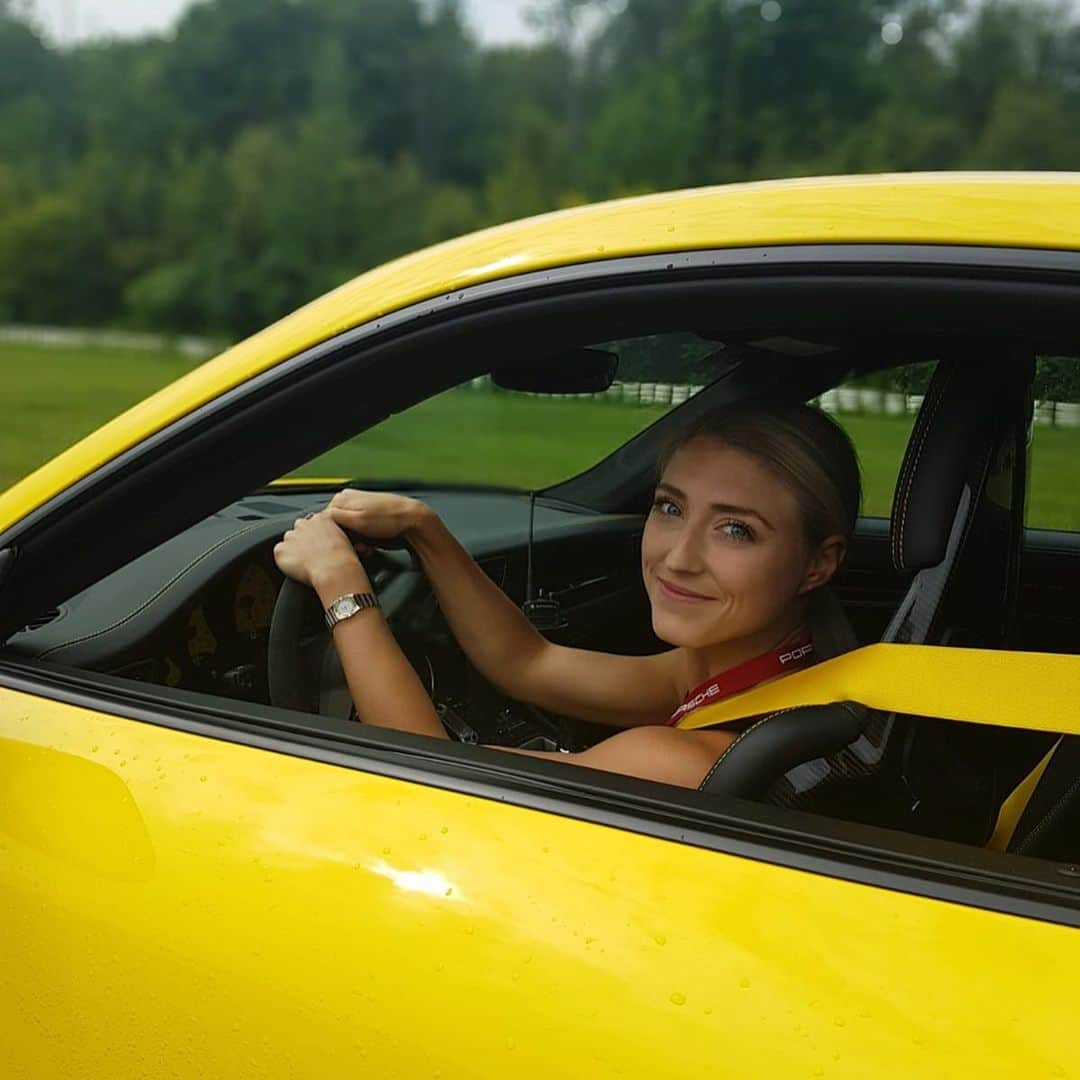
581 371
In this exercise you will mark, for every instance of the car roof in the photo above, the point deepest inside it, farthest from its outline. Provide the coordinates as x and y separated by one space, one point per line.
1027 210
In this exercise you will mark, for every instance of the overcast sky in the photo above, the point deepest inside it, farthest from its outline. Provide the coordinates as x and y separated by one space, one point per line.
66 20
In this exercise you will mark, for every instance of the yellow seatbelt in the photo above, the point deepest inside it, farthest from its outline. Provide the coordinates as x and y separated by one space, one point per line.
1012 809
1037 691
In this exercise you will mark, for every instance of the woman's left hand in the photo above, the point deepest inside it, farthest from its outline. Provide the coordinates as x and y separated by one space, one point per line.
316 550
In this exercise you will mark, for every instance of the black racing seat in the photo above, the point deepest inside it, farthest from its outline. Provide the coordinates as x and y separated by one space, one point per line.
1048 826
957 529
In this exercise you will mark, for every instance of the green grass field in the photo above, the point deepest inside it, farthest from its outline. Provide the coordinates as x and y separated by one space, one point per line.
53 397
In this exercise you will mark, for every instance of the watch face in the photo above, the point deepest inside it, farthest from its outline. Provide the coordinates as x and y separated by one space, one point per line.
342 607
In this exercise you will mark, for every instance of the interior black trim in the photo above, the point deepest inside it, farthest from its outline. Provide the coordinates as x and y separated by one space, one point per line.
862 854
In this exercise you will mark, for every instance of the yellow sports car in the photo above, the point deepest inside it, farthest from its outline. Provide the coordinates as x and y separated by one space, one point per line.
209 869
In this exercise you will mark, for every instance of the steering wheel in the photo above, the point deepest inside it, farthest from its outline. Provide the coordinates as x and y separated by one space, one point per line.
283 662
302 662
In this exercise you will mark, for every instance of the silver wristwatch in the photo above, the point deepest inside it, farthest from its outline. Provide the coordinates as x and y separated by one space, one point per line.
344 607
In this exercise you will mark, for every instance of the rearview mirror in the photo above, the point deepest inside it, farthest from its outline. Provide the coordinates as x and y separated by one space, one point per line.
581 371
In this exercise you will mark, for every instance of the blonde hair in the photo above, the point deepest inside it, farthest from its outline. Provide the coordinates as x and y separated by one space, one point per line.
802 446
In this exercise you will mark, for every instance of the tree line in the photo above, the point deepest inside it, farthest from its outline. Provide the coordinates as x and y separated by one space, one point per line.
213 178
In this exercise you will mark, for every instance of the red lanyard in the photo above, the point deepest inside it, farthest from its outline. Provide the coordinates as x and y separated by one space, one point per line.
780 661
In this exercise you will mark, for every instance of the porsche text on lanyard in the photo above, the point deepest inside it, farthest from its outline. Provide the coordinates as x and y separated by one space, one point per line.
789 657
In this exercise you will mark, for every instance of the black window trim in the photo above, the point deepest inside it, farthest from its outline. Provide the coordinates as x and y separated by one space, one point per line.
880 858
1045 265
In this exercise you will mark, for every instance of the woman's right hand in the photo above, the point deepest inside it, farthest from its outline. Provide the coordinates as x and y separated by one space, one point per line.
377 515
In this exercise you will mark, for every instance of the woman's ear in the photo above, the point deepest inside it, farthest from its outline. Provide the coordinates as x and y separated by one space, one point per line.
824 561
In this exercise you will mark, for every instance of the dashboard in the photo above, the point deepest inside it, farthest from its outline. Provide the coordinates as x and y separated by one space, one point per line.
195 613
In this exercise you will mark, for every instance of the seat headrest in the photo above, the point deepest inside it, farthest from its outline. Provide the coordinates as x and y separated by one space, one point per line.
955 435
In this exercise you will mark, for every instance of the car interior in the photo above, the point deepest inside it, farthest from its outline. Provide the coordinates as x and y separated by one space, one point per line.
200 608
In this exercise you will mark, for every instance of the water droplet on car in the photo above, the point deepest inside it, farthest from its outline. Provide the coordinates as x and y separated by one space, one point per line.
744 983
444 830
93 749
677 998
202 779
660 939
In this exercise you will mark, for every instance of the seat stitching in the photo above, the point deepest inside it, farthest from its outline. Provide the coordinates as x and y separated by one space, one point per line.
898 555
906 466
146 603
753 727
1046 820
912 461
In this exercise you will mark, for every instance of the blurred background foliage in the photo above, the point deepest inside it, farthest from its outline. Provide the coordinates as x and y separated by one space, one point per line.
214 178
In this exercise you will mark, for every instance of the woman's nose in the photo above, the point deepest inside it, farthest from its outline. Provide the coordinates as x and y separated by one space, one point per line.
685 554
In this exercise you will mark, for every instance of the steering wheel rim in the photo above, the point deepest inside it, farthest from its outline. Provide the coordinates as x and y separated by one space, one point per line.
283 646
285 673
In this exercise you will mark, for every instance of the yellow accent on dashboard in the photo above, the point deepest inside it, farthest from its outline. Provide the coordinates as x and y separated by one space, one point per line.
1036 691
201 641
309 481
1033 210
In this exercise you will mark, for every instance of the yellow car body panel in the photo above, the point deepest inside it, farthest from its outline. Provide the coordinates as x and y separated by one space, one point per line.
1000 210
175 905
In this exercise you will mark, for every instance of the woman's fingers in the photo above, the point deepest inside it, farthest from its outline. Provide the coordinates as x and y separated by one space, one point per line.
357 521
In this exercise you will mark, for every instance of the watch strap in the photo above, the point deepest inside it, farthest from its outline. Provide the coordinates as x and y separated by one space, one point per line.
344 607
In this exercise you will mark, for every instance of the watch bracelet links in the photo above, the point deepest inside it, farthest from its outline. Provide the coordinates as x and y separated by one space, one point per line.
362 602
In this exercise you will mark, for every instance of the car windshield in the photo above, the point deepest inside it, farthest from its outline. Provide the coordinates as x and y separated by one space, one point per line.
482 435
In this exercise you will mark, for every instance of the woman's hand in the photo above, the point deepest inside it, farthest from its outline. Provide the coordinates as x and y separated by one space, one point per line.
316 551
376 514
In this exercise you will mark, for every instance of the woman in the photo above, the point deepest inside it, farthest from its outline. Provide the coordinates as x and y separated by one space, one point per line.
752 513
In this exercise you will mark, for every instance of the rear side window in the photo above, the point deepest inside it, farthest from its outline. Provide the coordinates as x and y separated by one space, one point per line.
1053 500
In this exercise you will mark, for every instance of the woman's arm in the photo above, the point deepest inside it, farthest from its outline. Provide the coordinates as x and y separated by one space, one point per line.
664 754
384 687
387 692
500 642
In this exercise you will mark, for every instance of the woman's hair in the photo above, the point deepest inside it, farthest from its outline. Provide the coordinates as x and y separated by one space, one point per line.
805 449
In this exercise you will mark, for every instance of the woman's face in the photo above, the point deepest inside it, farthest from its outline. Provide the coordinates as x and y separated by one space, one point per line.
723 554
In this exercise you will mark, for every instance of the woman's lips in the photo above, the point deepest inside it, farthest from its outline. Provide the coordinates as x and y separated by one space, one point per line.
682 595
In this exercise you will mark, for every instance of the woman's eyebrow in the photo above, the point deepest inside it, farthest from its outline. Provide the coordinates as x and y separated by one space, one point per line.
723 508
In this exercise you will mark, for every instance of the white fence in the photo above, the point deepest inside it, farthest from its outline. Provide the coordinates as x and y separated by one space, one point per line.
842 399
69 337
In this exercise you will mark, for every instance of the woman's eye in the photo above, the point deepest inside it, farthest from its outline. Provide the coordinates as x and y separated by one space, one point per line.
665 507
738 531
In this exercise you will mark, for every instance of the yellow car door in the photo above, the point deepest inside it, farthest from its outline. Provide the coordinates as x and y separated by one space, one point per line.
179 903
